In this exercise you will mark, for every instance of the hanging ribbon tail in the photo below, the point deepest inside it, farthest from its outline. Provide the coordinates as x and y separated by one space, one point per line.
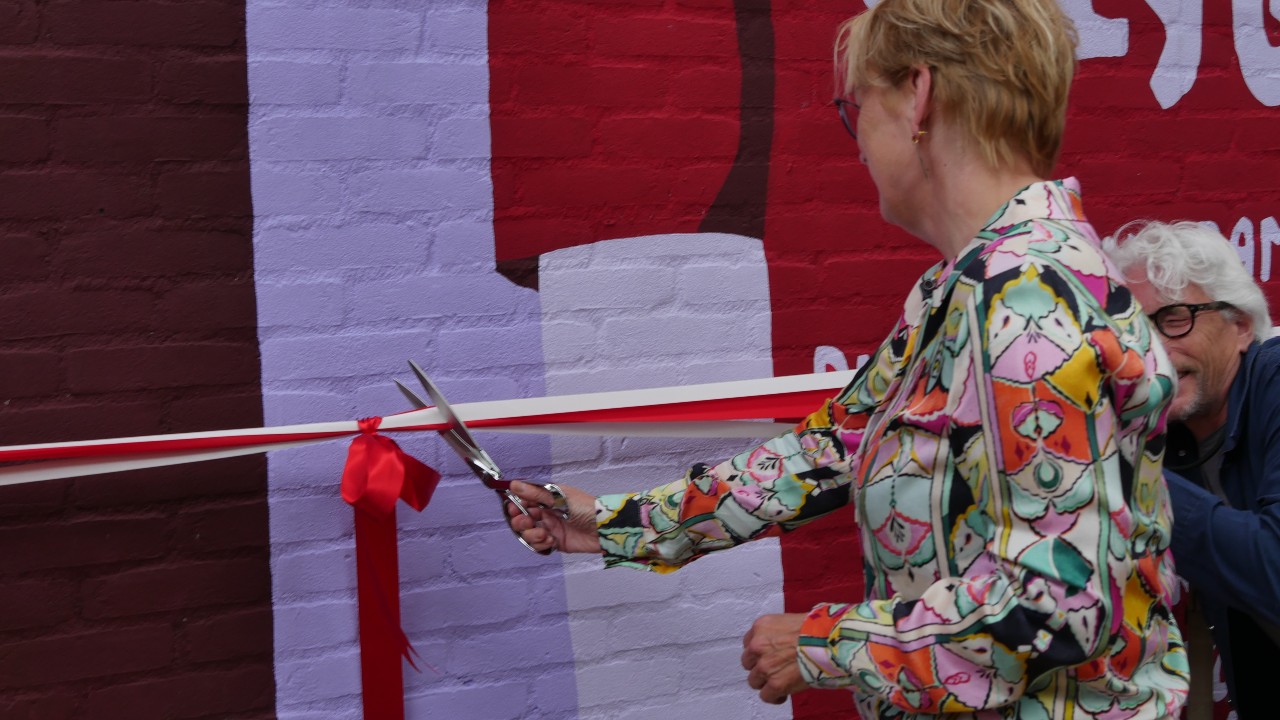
378 472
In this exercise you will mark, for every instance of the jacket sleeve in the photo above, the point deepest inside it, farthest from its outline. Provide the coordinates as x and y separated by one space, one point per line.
1233 554
1042 541
788 481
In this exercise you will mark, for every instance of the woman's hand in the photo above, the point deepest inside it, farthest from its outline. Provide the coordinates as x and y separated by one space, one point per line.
769 656
545 529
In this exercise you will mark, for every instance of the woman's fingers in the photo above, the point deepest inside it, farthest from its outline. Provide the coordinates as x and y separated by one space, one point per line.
532 494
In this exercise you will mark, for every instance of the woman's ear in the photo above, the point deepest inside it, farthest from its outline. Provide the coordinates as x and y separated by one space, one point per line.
922 96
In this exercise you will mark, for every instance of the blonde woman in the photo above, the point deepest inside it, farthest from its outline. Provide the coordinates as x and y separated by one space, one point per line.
1002 449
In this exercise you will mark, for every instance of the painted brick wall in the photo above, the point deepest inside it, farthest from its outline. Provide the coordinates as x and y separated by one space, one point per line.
373 245
127 307
390 138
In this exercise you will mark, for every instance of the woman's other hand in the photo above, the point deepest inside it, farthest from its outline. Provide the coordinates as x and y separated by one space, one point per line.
545 528
769 654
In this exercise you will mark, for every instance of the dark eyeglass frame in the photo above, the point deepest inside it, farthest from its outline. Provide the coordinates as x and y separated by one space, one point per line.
841 107
1159 317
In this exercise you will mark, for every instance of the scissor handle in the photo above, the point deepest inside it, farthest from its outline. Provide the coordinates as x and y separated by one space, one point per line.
504 496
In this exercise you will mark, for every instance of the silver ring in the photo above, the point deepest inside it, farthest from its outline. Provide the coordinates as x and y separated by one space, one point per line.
559 502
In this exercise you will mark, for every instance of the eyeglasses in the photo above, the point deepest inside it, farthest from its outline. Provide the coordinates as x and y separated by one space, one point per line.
1175 321
847 116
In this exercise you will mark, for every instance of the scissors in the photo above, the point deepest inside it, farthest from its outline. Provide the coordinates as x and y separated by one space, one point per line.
459 438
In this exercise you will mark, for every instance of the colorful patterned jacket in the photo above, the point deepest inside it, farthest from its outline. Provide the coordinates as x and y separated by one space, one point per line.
1003 451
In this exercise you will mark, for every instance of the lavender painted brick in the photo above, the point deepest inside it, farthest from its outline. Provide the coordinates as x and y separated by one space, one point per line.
460 505
350 246
494 550
632 587
332 675
317 571
304 469
327 356
463 243
436 608
461 139
494 701
536 648
295 192
442 295
299 304
309 406
498 346
422 559
351 711
364 29
317 625
313 518
415 82
339 138
457 32
418 190
295 83
615 683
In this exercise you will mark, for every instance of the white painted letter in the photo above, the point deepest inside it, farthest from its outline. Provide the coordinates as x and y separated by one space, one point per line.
1259 59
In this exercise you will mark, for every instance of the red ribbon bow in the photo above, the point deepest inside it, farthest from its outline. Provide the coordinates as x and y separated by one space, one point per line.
377 474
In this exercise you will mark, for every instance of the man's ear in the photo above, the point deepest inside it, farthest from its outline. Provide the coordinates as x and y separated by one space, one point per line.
1244 330
921 96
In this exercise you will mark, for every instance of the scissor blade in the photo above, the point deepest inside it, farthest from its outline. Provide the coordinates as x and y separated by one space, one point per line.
411 396
457 435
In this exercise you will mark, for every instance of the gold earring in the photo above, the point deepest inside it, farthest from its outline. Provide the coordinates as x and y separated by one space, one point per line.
915 139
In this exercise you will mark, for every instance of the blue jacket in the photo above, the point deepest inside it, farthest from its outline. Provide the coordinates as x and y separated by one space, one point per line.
1231 553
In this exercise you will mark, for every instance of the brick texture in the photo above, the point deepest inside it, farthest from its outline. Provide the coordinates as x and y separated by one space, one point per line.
128 309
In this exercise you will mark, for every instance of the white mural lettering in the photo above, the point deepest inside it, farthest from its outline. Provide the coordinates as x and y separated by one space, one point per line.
1259 59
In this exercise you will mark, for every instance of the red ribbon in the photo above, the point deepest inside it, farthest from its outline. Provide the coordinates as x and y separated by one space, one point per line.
377 474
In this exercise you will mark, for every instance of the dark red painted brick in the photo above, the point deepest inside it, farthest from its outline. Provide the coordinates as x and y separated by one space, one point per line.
228 636
72 418
690 139
31 500
25 139
54 312
98 654
224 304
24 373
140 252
148 139
542 137
74 80
214 478
52 706
243 525
184 194
208 79
203 693
1253 134
176 587
27 256
49 544
174 364
36 603
144 23
553 30
666 37
216 411
19 24
64 195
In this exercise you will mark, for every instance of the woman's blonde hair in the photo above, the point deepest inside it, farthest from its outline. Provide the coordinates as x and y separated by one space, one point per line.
1001 68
